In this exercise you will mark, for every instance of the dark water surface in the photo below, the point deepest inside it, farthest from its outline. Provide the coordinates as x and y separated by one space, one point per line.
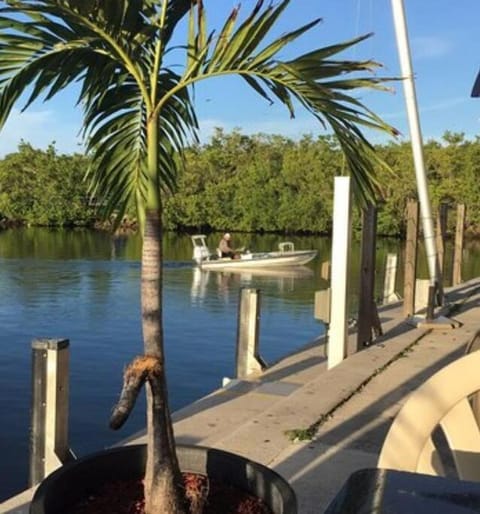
84 286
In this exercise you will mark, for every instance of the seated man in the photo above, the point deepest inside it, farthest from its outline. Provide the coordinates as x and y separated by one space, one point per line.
224 246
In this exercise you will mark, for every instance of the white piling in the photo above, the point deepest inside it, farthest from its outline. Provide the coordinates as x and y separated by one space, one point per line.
248 356
422 287
389 294
337 343
49 419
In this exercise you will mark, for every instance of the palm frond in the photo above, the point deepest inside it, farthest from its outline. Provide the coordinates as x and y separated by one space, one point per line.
176 11
315 80
117 140
58 43
115 49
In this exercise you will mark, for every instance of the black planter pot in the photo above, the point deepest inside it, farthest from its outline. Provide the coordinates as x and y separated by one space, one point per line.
76 480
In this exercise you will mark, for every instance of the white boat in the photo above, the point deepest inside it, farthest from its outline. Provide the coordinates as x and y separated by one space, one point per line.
286 255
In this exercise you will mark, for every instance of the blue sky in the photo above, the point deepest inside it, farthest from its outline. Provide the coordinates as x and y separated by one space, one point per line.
445 57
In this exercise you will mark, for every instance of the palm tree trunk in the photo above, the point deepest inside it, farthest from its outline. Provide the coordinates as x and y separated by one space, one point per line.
163 481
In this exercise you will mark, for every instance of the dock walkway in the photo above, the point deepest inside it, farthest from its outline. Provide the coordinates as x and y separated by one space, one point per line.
337 419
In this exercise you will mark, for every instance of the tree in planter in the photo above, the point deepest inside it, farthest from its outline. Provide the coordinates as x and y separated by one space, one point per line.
139 117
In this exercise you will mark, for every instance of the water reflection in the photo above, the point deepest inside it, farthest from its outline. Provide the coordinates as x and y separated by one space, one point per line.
226 282
86 286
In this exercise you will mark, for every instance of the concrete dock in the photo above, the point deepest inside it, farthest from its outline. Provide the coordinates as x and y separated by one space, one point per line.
316 427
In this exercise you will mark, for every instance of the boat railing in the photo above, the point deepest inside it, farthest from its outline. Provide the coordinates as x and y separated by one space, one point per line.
286 246
201 251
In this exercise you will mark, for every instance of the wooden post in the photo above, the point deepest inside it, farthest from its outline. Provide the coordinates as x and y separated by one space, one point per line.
442 217
49 414
389 294
248 358
441 235
430 313
366 315
410 258
337 342
458 250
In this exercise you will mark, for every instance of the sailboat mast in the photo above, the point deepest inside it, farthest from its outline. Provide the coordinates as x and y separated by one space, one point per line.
416 137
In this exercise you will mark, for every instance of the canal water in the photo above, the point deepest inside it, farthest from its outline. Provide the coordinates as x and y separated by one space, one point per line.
84 286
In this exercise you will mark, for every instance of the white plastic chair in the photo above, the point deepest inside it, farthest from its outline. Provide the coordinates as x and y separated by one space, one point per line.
444 400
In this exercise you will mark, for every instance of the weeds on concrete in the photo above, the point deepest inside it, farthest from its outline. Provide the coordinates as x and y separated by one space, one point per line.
309 433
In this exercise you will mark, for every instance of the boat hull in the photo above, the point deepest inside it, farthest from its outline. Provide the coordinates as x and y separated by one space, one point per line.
261 260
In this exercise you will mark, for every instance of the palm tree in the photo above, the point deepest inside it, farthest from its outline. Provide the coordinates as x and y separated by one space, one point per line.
139 117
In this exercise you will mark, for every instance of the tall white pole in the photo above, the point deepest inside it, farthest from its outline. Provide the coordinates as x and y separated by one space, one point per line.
416 137
342 228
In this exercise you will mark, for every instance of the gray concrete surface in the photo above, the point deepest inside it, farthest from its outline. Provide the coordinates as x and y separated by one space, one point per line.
351 406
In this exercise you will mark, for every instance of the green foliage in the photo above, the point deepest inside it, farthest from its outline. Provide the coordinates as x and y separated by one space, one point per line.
270 183
139 117
43 188
259 183
138 112
255 184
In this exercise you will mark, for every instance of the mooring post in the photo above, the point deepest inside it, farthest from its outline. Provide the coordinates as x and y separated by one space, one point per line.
389 294
422 295
366 301
411 249
441 235
430 314
458 250
49 411
337 342
248 357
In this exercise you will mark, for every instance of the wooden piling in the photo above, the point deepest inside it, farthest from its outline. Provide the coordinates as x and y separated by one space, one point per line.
458 250
441 234
366 308
411 248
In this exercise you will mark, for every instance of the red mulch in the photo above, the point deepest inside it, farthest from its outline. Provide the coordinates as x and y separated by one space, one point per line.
126 497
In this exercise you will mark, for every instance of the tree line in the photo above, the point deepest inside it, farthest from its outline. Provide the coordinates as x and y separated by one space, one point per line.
258 183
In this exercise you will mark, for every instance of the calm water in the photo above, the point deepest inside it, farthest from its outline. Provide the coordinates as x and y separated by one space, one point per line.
85 287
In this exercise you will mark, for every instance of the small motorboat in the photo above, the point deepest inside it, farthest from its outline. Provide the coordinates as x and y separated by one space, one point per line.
286 255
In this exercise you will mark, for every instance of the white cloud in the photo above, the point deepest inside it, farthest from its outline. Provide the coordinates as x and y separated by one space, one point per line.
39 128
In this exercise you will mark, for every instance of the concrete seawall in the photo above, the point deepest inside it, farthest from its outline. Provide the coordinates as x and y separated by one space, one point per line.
315 427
